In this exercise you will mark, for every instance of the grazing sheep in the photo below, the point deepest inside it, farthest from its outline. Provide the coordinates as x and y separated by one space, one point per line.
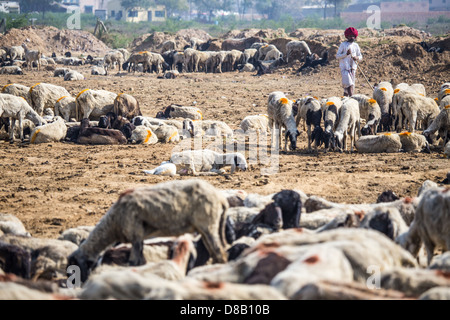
310 111
370 111
54 131
249 56
178 111
65 107
17 90
413 142
441 124
417 108
94 103
388 142
209 161
16 108
112 59
295 46
73 76
431 223
10 224
147 211
143 135
45 95
349 118
127 106
383 94
330 119
386 220
95 135
214 61
258 123
273 54
263 50
280 112
11 70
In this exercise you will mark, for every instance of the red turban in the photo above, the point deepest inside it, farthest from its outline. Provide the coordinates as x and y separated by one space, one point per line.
351 32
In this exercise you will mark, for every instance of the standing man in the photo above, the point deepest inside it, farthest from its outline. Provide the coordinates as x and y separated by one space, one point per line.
347 55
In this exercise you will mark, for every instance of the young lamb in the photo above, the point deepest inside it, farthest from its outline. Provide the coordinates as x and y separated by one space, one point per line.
370 111
178 111
54 131
295 46
45 95
155 210
280 112
94 103
431 223
143 135
417 108
209 161
258 123
164 169
387 142
310 110
32 56
348 123
17 108
73 76
383 93
413 142
127 106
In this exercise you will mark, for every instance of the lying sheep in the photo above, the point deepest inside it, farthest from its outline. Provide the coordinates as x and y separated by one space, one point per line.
385 220
208 161
349 121
98 71
96 135
413 142
258 123
94 103
10 224
17 108
76 235
167 134
383 93
73 76
45 95
51 132
248 67
143 212
164 169
213 128
11 70
178 111
280 112
431 223
61 72
370 111
388 142
143 135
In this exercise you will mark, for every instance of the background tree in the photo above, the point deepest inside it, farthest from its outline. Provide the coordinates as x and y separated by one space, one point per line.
144 4
37 5
211 5
275 9
174 6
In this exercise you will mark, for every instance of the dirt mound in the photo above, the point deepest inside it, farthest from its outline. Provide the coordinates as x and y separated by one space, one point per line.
188 34
50 39
263 33
406 31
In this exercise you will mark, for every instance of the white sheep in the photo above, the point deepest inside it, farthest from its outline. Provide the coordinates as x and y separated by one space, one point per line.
73 76
419 88
370 111
166 168
431 223
143 135
166 209
213 128
178 111
76 235
54 131
17 90
249 55
65 107
207 161
16 53
258 123
273 54
383 93
297 46
61 72
330 110
17 108
417 108
93 104
10 224
112 59
413 142
45 95
248 67
281 115
11 70
387 142
443 92
167 134
349 122
98 71
32 56
447 150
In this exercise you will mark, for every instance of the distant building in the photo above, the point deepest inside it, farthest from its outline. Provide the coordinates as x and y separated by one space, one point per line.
9 7
96 7
398 12
117 12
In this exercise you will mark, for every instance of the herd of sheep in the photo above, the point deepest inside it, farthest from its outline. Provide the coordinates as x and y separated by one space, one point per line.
186 239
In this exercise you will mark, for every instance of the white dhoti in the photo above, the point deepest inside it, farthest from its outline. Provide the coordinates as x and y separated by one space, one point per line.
348 78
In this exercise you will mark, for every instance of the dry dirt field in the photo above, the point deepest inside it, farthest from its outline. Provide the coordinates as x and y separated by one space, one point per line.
55 186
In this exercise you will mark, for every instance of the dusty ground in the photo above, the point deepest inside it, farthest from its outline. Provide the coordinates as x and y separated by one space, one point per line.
55 186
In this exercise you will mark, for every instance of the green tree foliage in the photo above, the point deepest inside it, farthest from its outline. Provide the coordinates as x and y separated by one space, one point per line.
37 5
144 4
174 5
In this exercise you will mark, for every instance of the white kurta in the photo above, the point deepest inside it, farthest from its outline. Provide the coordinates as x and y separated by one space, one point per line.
346 63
